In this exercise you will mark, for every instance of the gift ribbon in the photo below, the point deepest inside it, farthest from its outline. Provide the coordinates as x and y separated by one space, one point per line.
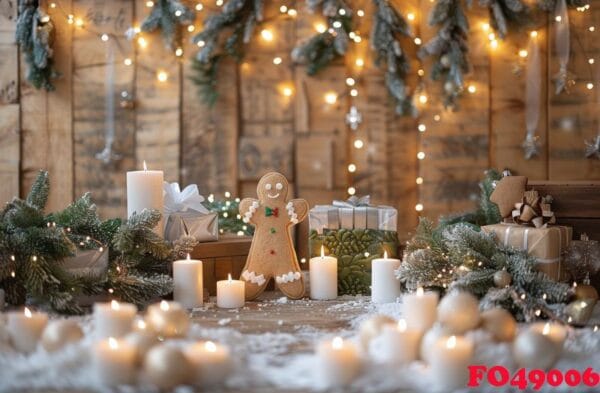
271 212
180 201
353 202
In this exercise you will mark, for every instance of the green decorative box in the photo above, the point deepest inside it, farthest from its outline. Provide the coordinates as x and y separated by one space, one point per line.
355 233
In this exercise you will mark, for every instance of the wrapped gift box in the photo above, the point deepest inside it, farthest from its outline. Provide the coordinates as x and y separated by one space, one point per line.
546 244
355 232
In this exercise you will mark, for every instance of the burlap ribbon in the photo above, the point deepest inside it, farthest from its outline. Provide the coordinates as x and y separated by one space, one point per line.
534 210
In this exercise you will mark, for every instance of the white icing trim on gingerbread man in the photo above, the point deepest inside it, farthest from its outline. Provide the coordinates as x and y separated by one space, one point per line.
292 212
253 278
289 277
251 210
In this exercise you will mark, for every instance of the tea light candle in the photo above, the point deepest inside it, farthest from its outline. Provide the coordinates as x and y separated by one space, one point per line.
323 277
113 319
420 309
168 319
25 329
231 293
211 363
338 362
145 191
449 361
396 345
553 331
114 362
187 282
385 287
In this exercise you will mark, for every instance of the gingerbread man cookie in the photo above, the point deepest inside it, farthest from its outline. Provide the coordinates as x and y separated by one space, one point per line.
272 253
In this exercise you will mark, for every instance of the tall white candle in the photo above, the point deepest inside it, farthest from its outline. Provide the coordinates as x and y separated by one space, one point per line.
113 319
231 293
25 329
338 362
396 345
187 282
420 309
323 277
114 362
449 361
211 362
145 191
385 287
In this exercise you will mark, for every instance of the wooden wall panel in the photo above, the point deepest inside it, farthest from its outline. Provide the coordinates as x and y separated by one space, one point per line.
9 103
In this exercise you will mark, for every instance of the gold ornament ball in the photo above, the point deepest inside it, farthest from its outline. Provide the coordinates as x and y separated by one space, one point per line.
532 349
372 327
588 292
167 367
580 311
459 312
60 333
502 279
142 342
500 323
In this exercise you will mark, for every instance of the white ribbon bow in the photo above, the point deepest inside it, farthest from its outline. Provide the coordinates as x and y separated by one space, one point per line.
181 201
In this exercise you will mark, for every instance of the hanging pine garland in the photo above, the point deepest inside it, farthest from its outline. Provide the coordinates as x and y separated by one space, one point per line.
505 13
169 16
35 36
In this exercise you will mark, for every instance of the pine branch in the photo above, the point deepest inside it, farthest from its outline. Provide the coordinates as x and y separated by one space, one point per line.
38 195
505 14
169 16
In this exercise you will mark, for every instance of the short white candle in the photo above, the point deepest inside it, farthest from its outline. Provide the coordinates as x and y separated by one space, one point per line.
211 363
231 293
449 361
396 345
145 191
385 287
420 309
168 319
338 362
187 282
114 362
323 277
25 329
554 331
113 319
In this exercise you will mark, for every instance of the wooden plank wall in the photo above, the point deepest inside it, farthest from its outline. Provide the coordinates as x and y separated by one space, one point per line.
254 128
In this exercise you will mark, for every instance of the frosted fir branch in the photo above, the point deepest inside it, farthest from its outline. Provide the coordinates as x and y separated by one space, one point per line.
507 13
170 17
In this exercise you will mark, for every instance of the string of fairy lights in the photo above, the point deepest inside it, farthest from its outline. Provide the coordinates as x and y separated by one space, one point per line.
354 67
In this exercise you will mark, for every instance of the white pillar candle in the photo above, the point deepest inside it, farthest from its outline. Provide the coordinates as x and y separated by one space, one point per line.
231 293
420 309
385 287
187 282
114 362
553 331
211 363
323 277
113 319
338 362
396 345
168 319
145 191
449 362
25 329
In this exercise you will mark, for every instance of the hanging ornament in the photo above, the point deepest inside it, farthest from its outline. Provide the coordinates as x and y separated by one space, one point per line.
578 312
582 258
531 145
563 79
353 118
502 279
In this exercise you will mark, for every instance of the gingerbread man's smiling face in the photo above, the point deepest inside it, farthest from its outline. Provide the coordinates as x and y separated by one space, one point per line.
272 187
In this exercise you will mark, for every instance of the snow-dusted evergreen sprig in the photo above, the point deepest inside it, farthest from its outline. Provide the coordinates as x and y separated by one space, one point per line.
320 50
550 5
506 13
449 47
388 26
224 34
170 17
35 36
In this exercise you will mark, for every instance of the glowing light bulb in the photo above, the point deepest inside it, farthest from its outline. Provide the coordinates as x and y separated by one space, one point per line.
437 117
491 36
422 127
52 5
358 144
149 4
337 24
219 3
350 81
142 42
210 346
351 190
330 97
359 62
421 155
70 19
277 60
287 91
494 44
164 305
141 324
178 52
592 29
266 35
533 34
558 18
360 13
162 76
418 41
353 92
320 28
421 72
485 27
201 43
199 7
115 305
451 342
472 89
351 168
227 194
79 22
337 343
45 19
591 61
589 86
410 16
283 9
523 53
191 28
292 12
419 180
423 99
178 13
419 207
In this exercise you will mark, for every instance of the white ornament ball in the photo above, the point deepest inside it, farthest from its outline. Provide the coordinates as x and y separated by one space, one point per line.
60 333
459 312
372 327
430 338
532 349
500 323
167 367
142 342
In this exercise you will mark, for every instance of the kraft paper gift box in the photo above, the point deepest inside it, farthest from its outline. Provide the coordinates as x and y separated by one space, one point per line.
355 232
546 244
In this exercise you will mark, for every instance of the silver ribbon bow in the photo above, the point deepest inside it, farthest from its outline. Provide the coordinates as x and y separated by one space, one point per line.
354 201
177 200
